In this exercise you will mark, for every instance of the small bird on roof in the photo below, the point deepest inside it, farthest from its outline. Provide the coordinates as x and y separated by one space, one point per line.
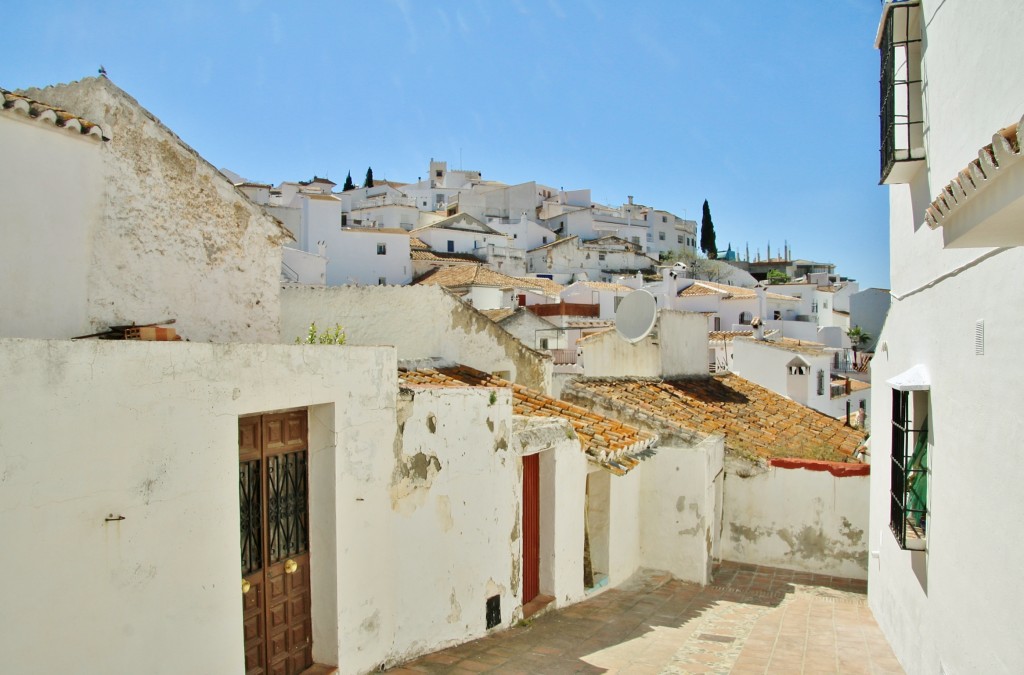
102 71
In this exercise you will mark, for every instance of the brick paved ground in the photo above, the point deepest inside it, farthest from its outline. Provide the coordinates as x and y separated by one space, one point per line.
751 620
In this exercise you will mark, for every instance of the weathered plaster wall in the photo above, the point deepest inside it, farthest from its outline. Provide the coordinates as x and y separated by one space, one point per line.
563 476
678 527
175 239
52 197
420 321
796 519
683 339
149 431
677 347
455 502
609 355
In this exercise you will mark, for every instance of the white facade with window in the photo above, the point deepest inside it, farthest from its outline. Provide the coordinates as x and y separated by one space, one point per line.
949 598
369 257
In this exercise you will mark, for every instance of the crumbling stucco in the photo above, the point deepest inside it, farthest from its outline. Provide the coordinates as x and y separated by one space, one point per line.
176 240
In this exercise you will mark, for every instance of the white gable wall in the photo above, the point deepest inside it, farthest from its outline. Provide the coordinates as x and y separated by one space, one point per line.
176 239
47 249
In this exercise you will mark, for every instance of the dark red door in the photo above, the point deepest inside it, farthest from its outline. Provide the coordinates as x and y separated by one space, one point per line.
531 527
274 505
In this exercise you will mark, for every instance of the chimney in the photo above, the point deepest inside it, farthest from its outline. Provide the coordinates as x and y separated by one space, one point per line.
630 198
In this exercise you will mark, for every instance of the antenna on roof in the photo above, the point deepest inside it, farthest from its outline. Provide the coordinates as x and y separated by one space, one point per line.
636 315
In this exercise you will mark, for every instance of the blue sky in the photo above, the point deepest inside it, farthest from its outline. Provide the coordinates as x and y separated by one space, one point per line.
767 110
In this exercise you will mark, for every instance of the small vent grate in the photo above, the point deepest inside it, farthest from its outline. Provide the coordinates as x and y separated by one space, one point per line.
493 611
979 337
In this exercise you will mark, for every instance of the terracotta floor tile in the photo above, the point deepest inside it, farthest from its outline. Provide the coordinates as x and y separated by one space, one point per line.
750 620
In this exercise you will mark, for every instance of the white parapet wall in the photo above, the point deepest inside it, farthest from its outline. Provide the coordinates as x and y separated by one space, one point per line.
421 322
801 515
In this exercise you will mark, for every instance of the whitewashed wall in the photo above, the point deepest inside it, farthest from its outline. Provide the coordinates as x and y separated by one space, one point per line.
679 349
455 534
47 248
302 267
353 258
797 519
445 327
957 607
177 239
149 431
678 524
563 476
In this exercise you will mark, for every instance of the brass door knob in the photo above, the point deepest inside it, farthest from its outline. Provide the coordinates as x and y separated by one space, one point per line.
245 586
290 566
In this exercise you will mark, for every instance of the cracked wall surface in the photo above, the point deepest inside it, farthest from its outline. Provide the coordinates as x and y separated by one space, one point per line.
173 237
797 519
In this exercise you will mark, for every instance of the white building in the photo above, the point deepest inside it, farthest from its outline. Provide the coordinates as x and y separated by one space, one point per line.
805 372
944 581
573 259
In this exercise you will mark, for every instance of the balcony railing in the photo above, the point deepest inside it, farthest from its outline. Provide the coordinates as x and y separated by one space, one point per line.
388 200
563 357
566 309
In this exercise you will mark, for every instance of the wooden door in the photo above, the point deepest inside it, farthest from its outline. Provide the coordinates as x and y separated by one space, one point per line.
274 507
531 527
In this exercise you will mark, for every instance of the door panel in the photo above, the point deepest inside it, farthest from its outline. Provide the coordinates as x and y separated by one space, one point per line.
274 510
531 527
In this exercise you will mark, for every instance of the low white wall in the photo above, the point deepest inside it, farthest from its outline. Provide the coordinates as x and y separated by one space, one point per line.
678 526
307 268
93 430
420 321
796 519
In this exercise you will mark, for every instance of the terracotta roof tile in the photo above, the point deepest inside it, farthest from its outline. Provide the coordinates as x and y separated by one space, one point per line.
727 335
461 276
549 287
700 288
605 286
1004 150
9 101
498 315
609 443
442 256
755 421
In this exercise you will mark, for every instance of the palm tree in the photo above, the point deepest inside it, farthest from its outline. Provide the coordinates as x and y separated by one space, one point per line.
857 338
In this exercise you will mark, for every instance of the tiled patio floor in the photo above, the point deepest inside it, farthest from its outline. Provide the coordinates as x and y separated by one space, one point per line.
750 620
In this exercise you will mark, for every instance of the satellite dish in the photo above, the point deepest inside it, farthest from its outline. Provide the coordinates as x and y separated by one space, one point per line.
635 317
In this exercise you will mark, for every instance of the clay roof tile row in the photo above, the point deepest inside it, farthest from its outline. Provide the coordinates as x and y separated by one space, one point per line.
9 101
754 420
609 443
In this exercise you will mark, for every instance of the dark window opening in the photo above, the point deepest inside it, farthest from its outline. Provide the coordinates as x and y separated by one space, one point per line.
493 611
901 110
908 478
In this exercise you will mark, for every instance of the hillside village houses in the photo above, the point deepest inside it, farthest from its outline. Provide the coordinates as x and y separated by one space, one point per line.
273 505
944 582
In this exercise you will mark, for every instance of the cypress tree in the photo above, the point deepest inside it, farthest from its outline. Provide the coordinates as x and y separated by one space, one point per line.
369 178
349 185
707 234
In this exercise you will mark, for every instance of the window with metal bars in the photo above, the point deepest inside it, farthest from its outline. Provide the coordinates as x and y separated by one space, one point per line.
908 479
901 106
